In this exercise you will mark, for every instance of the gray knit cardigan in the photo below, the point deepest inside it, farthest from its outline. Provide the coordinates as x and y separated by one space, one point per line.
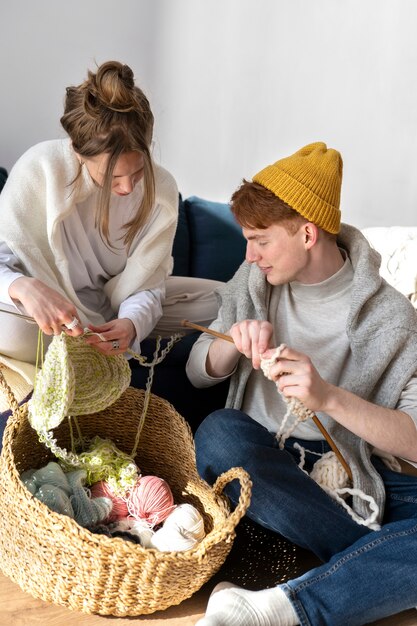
382 330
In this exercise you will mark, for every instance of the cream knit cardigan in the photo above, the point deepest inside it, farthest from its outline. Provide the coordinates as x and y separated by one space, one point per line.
38 196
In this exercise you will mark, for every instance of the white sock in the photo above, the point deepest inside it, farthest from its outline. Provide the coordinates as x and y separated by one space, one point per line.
229 605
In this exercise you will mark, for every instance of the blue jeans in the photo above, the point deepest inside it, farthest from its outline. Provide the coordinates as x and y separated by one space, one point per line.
367 574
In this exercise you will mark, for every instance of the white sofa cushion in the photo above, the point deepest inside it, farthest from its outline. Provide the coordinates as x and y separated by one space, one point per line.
397 246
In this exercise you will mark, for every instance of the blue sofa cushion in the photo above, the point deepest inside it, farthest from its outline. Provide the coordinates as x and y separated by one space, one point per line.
3 177
181 246
217 246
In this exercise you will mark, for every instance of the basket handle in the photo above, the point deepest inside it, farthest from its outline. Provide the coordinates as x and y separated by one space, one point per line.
245 492
11 398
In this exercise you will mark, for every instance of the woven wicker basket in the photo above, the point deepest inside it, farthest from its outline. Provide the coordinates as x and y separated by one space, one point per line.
53 558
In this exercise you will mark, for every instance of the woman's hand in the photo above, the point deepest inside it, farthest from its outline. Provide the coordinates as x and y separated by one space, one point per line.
50 310
296 376
115 336
252 338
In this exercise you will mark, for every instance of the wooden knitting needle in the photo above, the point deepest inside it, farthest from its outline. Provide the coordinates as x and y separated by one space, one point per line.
24 317
315 419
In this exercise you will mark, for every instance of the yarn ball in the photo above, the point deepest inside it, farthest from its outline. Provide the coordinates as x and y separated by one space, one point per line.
123 528
329 473
103 490
29 482
124 534
188 520
151 500
182 530
140 528
100 529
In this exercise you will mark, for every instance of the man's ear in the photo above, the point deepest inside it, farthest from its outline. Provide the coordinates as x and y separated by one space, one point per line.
310 232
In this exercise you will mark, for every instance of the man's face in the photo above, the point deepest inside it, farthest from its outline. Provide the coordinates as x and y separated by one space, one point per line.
281 256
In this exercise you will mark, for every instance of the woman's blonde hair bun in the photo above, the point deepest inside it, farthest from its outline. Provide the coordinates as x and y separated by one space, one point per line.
112 87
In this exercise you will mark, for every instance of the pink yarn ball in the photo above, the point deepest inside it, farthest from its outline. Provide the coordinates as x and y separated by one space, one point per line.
151 500
119 509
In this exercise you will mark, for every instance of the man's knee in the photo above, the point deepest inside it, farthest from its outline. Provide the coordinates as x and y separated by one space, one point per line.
221 429
221 443
216 440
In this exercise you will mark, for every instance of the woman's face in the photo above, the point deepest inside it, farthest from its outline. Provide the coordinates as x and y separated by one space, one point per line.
127 172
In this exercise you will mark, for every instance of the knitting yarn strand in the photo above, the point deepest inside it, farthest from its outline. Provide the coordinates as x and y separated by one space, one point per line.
294 406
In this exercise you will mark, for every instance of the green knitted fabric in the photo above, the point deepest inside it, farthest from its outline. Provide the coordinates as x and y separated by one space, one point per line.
75 379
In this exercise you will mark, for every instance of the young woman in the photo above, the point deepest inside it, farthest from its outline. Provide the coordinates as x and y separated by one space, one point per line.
87 225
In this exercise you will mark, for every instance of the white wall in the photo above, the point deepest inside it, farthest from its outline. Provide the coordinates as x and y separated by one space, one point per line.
235 85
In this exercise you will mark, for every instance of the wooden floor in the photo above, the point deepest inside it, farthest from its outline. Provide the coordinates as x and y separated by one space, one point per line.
17 608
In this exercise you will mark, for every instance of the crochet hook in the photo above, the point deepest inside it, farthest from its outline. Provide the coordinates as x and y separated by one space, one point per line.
203 329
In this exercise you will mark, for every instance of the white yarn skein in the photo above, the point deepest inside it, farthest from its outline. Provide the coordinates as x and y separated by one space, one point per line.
182 530
188 519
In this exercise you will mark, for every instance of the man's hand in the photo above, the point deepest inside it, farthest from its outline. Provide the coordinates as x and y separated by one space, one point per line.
296 376
252 338
390 430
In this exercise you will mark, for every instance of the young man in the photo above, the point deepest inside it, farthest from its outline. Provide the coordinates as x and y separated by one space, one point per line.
351 358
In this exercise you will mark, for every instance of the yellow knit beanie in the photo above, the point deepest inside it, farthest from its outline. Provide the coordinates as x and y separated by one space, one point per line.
309 181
